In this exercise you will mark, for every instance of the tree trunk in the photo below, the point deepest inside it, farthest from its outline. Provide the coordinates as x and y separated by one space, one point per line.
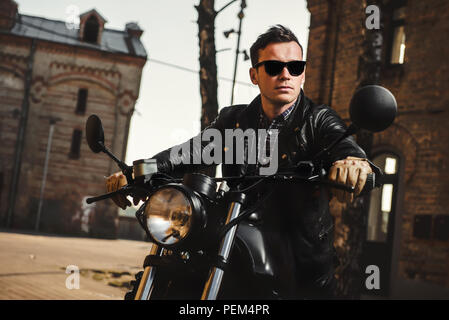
208 66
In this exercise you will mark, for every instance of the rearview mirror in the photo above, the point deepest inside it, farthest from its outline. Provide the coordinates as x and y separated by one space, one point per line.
373 108
95 134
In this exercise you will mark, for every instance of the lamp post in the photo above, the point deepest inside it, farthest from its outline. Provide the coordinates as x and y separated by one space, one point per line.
44 178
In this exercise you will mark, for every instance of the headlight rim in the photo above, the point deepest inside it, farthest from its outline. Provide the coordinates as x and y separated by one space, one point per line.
197 219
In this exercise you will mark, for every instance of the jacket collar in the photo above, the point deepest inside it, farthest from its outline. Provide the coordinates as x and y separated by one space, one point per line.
249 117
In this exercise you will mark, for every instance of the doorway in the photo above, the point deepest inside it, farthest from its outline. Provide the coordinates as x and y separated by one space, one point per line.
378 245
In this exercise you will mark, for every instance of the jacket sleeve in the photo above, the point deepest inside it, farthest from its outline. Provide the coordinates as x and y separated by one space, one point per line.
329 127
187 157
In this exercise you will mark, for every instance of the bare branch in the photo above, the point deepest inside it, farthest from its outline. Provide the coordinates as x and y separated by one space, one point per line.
224 7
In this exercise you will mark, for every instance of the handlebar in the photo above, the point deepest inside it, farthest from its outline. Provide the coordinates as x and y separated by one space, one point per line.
369 185
125 190
102 197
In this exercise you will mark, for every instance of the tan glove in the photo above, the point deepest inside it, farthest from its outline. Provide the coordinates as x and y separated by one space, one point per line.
351 171
115 182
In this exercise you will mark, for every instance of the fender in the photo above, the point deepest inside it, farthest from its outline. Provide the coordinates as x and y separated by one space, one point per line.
253 247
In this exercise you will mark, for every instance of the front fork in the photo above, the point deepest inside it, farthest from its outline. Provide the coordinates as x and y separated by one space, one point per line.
213 284
146 283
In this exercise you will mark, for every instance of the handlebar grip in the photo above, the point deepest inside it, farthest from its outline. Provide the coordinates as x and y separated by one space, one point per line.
338 185
102 197
370 183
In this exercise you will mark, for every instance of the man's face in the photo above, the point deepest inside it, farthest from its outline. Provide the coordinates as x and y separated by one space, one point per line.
283 88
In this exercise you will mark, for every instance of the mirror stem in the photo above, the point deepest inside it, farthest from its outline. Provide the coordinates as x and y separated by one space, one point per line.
127 170
349 131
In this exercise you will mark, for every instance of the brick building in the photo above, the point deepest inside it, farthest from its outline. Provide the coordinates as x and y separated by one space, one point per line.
407 223
52 77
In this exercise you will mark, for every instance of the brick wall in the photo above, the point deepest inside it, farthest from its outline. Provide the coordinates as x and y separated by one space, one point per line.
11 95
420 132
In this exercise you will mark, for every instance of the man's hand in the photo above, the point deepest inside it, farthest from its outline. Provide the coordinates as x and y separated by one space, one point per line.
351 171
115 182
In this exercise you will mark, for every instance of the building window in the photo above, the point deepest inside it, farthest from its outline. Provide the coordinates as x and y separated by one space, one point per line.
441 227
397 53
382 201
91 30
431 227
76 144
81 102
422 226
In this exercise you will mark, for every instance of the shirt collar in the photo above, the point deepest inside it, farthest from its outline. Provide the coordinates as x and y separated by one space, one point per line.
283 116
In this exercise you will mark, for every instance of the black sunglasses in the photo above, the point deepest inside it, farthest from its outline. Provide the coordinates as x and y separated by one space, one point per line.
274 67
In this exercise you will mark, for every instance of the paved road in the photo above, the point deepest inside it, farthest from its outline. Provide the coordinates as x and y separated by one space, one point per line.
33 266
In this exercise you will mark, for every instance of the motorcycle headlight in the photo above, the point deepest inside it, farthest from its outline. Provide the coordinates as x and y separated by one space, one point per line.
170 215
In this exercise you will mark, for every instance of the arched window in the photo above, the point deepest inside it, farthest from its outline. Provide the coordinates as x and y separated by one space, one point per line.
397 51
378 246
382 201
91 29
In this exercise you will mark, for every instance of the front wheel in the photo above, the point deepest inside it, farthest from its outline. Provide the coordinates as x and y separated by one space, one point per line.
131 295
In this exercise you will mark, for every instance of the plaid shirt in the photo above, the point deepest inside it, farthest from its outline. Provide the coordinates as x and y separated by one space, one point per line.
277 123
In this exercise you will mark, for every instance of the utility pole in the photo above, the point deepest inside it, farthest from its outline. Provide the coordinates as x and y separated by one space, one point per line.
241 15
44 178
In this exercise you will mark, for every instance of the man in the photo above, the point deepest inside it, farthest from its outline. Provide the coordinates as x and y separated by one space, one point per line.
304 129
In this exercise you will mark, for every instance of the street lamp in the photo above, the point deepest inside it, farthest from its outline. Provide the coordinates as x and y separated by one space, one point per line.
53 121
227 33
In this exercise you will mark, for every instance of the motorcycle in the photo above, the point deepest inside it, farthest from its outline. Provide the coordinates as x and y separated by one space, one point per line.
208 241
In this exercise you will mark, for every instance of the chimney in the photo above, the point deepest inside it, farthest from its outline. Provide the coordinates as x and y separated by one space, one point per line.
9 14
133 30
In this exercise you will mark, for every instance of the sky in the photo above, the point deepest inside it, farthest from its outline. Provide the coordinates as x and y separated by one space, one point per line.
168 109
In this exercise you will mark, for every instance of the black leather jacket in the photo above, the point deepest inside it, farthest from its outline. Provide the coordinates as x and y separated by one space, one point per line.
309 129
307 220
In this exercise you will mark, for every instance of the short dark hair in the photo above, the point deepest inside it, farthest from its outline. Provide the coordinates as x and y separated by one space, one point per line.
275 34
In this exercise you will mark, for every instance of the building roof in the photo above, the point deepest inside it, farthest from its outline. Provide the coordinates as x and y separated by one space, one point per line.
114 41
